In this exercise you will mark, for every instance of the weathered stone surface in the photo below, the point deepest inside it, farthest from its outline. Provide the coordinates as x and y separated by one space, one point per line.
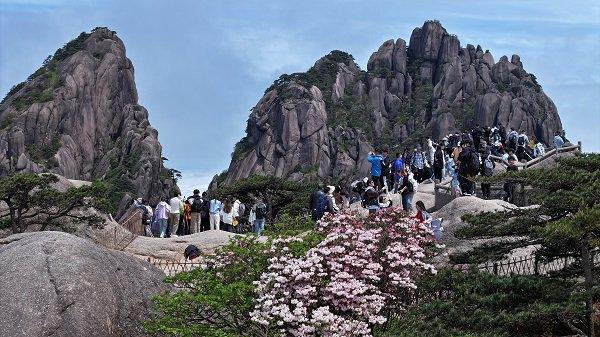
467 87
94 115
61 285
172 248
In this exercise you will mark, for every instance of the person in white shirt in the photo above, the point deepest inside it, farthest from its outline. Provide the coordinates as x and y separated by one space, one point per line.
162 215
175 204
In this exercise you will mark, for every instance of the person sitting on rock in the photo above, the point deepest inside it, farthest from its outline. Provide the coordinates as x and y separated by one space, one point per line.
422 214
558 141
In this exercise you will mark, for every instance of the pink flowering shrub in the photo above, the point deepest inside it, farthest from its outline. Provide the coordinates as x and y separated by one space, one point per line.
351 281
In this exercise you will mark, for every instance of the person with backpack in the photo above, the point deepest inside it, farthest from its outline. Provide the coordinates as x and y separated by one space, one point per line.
512 139
205 213
476 135
407 189
397 168
376 159
215 207
522 141
260 211
469 166
502 133
487 170
317 203
438 163
195 209
142 205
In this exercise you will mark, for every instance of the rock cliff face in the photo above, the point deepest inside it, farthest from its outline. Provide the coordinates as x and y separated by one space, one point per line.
78 116
323 122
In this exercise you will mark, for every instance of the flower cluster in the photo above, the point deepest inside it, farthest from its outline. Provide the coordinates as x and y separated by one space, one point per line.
341 287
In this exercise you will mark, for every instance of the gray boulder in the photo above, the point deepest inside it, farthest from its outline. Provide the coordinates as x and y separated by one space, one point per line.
57 284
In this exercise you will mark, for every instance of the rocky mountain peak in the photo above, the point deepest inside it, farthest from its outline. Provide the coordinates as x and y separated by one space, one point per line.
322 123
78 116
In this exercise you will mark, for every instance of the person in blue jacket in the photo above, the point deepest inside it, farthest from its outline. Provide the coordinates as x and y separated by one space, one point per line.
376 160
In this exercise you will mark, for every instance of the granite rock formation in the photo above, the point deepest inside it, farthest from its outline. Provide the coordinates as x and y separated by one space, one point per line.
78 116
323 122
62 285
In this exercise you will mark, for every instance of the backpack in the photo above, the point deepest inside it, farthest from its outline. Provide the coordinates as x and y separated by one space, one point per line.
512 136
241 209
488 167
205 208
191 252
197 204
475 163
521 140
411 187
261 211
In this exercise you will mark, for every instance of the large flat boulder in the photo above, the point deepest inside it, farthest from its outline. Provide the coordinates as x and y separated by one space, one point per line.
56 284
172 248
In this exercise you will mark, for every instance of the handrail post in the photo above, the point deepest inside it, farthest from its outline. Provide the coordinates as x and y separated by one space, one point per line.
496 268
536 264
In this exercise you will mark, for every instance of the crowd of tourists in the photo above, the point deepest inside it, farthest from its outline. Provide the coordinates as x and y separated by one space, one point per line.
457 157
176 216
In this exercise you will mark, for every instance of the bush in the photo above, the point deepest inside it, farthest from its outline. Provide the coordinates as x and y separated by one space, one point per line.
483 305
352 281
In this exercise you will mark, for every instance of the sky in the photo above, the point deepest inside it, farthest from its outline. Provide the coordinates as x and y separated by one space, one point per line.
200 66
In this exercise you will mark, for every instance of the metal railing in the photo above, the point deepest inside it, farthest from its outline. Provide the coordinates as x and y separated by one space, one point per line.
443 191
522 265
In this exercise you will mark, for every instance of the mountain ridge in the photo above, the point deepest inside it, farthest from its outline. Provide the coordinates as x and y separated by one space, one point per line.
78 116
322 123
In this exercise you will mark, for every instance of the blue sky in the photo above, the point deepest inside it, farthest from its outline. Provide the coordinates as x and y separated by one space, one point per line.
200 66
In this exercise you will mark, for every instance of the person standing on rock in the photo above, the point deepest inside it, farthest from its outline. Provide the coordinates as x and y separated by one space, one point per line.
386 166
397 169
509 185
376 160
196 209
215 208
162 212
487 169
438 164
175 204
227 215
522 141
417 163
512 139
407 190
469 166
205 213
260 213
